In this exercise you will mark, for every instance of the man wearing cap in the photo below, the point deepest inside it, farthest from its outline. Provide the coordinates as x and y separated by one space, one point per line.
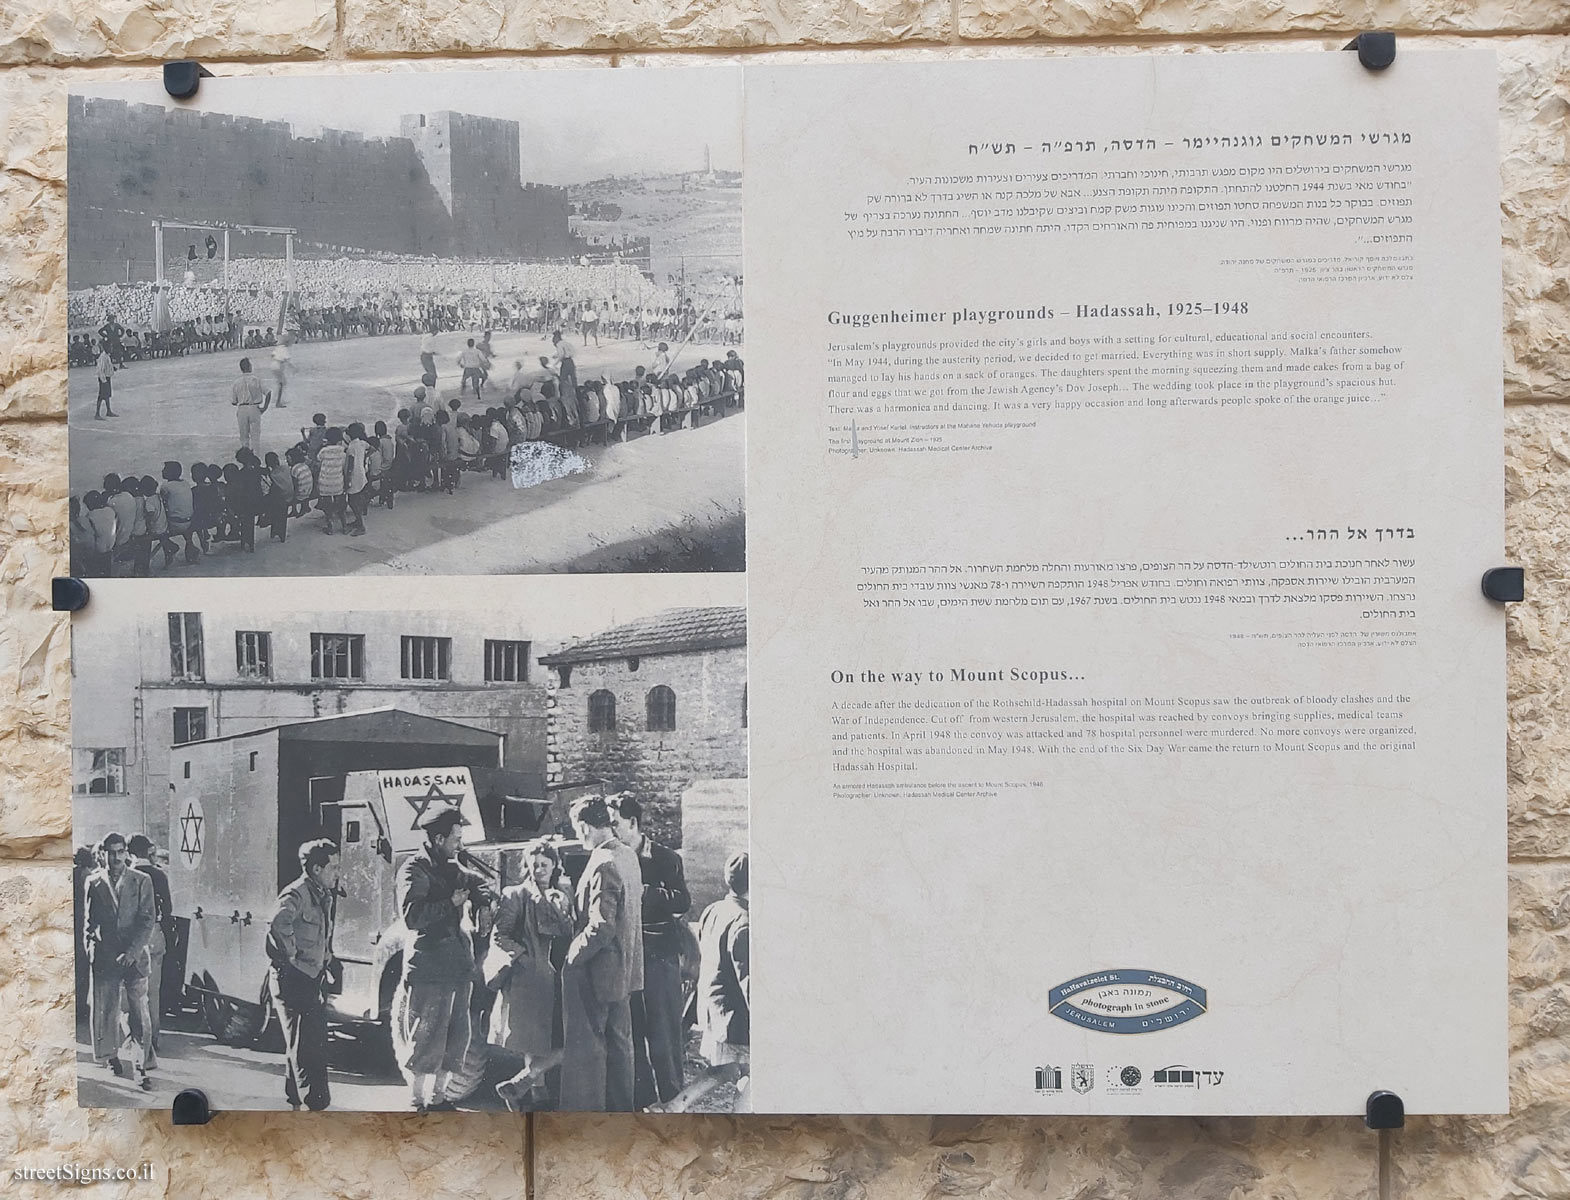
597 1067
141 848
430 1010
300 947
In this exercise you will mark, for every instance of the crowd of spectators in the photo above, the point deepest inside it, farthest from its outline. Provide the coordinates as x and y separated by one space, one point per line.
346 297
341 471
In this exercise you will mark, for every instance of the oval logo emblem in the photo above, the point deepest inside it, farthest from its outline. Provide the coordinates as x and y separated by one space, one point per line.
1127 1001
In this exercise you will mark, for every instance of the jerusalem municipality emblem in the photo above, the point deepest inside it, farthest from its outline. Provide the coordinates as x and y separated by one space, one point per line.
1127 1001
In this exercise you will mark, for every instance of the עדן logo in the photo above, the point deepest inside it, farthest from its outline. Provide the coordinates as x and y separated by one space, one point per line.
1082 1078
1127 1000
1049 1079
1180 1075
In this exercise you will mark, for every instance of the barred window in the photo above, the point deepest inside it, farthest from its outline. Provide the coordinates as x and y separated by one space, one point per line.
661 706
190 725
185 646
602 712
506 662
427 658
253 654
337 656
98 772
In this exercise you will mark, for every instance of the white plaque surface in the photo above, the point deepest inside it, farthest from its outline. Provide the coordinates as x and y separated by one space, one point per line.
1127 724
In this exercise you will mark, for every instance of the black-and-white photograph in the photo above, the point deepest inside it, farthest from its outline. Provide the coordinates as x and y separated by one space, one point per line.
414 859
446 323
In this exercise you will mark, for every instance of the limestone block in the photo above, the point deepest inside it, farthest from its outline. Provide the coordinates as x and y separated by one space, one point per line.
425 26
1534 130
241 1154
35 806
65 31
1126 18
894 1158
1522 1154
1537 537
32 123
32 280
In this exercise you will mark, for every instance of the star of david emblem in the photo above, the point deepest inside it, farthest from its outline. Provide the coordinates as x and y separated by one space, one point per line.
191 833
434 796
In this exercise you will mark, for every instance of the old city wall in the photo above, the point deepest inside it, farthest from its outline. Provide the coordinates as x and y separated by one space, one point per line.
367 194
190 166
709 741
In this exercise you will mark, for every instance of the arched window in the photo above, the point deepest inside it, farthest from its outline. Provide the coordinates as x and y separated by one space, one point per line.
602 712
661 705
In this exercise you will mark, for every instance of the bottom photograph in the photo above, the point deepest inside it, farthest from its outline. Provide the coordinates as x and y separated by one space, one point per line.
483 851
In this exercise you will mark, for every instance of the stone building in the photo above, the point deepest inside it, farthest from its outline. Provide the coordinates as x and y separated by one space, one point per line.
658 708
195 676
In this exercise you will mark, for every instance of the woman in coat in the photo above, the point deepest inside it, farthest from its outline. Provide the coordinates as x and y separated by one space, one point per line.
519 968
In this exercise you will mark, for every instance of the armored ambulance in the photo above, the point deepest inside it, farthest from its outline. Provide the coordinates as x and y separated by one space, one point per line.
242 805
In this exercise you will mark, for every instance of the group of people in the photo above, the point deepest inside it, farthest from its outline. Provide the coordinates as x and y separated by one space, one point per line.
196 335
342 471
124 926
334 298
580 992
575 990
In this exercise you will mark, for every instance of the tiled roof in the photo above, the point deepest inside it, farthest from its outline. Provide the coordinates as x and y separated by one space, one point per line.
669 632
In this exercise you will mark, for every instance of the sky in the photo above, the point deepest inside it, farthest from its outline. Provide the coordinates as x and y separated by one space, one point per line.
576 124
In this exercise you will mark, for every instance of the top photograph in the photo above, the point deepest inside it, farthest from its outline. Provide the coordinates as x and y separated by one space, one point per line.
439 323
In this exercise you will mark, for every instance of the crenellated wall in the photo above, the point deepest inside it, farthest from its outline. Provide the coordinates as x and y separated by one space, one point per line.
451 185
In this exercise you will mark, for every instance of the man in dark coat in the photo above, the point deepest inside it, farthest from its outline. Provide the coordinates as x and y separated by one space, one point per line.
597 1070
430 1012
657 1039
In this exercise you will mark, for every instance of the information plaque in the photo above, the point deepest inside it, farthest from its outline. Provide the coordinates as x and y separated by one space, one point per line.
1036 664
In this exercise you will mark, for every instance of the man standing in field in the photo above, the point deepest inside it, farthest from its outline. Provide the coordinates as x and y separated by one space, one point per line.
250 399
282 366
106 370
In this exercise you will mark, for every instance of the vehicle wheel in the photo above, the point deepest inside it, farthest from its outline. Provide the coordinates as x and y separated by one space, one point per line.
233 1022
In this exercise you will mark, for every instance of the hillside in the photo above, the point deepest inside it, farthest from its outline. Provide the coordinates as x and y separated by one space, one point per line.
681 215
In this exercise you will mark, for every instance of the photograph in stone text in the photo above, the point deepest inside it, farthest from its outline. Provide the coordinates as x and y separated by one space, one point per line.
488 324
413 861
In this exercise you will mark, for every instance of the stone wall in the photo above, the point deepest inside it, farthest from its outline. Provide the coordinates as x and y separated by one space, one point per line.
656 766
450 186
47 45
